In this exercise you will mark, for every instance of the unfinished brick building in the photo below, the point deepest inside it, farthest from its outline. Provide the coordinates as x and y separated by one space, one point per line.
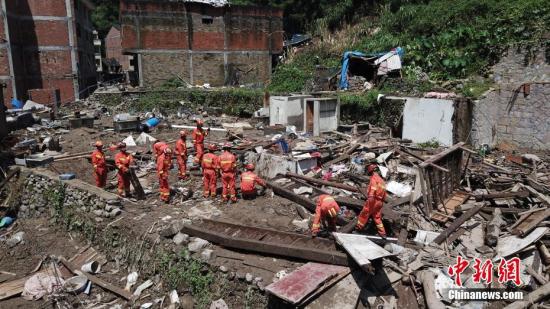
46 49
201 43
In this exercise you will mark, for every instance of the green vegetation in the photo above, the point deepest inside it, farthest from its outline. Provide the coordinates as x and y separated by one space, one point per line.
443 39
181 271
232 101
105 15
433 144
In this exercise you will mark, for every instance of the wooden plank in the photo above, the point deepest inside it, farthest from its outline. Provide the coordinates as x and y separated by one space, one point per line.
531 298
136 184
457 223
457 199
323 182
9 176
360 248
497 195
12 288
531 222
343 295
441 155
118 291
304 280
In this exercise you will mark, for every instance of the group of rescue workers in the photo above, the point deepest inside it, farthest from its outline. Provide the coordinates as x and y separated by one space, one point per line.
327 209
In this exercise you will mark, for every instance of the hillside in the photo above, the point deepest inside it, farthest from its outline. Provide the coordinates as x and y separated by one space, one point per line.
450 43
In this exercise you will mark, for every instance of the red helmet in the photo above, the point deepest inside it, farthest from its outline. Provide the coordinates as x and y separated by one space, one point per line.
99 144
316 154
249 167
212 147
371 168
183 133
121 145
200 122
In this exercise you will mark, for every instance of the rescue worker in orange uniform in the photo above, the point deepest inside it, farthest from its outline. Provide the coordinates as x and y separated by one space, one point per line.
164 162
249 180
181 154
326 213
228 167
123 160
198 136
376 195
158 148
100 166
210 166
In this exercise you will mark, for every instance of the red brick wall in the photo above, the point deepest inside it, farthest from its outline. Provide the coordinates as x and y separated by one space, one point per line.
44 96
37 7
47 33
246 28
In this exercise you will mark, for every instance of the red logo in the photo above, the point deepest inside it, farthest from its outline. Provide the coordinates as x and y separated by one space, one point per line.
508 270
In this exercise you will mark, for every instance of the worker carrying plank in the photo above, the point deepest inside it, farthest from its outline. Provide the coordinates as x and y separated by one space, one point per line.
123 160
376 195
249 180
210 166
164 162
100 165
228 167
326 212
181 154
198 136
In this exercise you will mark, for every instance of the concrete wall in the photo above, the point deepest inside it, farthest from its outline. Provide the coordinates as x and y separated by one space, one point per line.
230 45
426 119
505 117
48 44
287 110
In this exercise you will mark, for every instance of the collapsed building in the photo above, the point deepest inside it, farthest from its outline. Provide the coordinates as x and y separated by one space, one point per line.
47 52
201 42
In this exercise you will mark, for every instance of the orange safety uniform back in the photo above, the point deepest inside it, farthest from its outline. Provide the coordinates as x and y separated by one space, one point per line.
327 209
249 181
228 162
123 161
210 161
98 159
377 188
198 136
181 148
159 147
164 161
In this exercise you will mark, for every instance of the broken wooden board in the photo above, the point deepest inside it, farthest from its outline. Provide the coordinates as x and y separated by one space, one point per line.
448 208
343 295
457 223
297 285
361 249
12 288
512 244
530 222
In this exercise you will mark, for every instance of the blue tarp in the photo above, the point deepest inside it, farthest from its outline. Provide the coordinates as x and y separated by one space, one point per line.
344 83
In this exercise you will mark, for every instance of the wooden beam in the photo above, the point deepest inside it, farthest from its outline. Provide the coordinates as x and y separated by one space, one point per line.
531 298
457 223
136 184
442 154
481 197
323 182
530 222
118 291
403 149
9 176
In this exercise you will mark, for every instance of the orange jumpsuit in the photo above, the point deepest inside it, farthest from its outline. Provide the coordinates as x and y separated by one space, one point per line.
326 211
210 165
100 168
158 148
228 166
164 162
122 162
373 207
198 141
181 157
248 183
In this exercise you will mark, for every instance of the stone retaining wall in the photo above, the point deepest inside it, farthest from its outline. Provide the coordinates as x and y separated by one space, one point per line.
506 116
43 188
